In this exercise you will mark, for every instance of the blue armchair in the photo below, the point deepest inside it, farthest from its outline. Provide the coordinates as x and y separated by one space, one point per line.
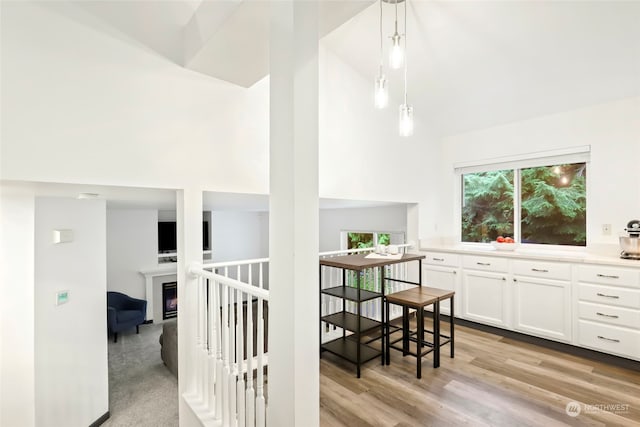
124 312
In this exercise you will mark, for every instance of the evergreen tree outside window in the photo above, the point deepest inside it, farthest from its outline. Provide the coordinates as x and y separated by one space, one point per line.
487 205
551 201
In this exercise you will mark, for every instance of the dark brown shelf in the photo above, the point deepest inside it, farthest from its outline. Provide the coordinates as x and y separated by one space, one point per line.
349 321
351 294
347 349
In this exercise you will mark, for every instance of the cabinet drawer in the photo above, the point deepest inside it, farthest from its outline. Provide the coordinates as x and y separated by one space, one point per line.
439 258
485 263
609 338
606 314
609 275
547 270
609 295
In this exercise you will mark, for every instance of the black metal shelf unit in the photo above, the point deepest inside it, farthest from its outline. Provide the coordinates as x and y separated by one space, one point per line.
351 346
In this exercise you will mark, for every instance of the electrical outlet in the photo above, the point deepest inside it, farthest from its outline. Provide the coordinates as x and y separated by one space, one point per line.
606 229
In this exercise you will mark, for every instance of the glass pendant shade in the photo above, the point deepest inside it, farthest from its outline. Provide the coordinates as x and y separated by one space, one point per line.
381 92
406 120
396 54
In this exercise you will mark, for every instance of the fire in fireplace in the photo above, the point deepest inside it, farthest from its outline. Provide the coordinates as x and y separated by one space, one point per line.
169 300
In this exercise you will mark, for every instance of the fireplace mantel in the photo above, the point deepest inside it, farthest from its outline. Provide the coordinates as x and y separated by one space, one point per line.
149 274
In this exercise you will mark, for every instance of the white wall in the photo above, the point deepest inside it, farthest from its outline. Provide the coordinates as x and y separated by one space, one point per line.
239 235
361 155
17 308
70 339
132 245
611 129
381 218
245 235
91 106
159 125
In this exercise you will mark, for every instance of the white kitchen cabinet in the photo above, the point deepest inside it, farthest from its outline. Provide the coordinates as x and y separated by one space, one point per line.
608 338
609 310
542 307
443 278
589 304
485 297
442 270
542 299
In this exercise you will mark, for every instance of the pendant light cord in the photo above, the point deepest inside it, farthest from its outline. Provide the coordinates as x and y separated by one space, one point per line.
396 23
381 46
405 48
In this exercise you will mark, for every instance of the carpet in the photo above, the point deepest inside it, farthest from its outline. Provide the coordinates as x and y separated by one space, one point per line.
142 391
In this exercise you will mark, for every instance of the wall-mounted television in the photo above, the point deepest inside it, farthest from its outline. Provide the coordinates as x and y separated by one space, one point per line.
167 236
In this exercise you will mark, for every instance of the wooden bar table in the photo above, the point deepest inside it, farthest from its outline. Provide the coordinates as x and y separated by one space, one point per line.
351 347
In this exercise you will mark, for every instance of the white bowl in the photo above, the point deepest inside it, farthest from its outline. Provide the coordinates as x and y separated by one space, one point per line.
504 246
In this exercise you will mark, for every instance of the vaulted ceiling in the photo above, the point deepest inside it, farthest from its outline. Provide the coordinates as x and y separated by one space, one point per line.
471 64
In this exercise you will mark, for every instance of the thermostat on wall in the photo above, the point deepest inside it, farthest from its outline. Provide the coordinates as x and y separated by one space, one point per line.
62 236
62 297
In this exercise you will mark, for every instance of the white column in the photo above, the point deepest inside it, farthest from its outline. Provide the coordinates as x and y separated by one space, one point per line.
189 234
293 219
17 307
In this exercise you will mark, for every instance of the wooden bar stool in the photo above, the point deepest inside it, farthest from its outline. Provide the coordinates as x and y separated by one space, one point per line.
417 299
442 295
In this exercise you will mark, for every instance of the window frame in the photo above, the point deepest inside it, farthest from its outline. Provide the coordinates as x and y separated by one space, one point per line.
516 163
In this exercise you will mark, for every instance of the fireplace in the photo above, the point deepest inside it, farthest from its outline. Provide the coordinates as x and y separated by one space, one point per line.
169 300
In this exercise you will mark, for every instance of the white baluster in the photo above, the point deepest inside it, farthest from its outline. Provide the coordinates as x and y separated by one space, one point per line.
204 351
218 319
226 373
232 357
261 277
260 401
213 331
250 399
199 340
240 355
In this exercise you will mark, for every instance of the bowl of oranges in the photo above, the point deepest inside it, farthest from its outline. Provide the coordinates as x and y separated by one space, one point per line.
504 243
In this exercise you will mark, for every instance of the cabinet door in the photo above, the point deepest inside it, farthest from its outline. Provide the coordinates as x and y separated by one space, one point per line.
484 297
542 307
443 278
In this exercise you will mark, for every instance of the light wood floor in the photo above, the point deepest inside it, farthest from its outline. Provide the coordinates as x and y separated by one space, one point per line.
492 380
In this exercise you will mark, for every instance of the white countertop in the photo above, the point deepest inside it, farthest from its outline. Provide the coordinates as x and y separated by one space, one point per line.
533 254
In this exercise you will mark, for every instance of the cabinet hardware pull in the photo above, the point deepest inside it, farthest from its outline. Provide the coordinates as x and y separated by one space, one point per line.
538 270
483 263
607 276
455 272
504 278
607 339
515 280
613 316
607 296
438 259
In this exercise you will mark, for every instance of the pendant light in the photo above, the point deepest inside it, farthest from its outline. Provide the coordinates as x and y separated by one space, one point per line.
396 54
406 110
381 87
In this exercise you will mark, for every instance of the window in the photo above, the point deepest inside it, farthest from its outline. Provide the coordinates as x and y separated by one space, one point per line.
367 240
541 204
369 279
